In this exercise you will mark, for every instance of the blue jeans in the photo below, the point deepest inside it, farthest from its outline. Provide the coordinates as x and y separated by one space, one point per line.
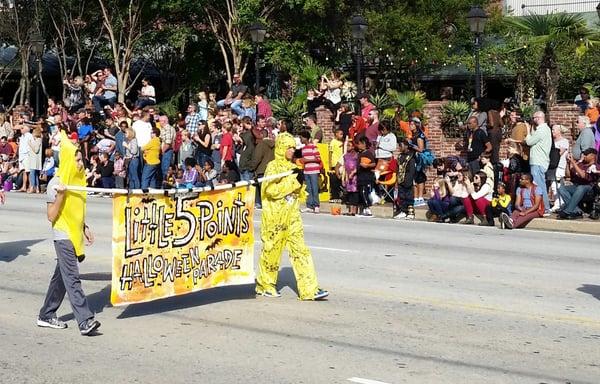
133 173
108 182
33 178
141 103
539 177
149 174
101 101
165 163
438 206
312 188
571 195
247 176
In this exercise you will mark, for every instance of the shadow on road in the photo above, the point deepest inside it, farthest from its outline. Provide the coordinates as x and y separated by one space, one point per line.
96 276
9 251
287 279
97 302
196 299
590 289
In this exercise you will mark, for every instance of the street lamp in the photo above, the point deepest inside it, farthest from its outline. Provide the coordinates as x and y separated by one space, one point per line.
477 19
359 28
598 10
257 33
37 47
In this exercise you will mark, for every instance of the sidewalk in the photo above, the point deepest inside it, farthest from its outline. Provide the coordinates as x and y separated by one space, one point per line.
586 226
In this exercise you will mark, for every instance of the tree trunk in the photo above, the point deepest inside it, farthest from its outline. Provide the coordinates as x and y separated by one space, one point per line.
548 76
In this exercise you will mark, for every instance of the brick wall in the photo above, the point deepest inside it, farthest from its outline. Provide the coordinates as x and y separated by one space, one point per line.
564 114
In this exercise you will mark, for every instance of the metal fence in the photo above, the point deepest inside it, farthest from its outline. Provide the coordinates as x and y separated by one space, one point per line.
525 7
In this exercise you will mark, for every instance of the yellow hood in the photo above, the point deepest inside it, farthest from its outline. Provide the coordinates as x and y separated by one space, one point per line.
283 142
71 217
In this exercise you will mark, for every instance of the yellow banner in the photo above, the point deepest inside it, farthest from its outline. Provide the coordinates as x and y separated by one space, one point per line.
169 246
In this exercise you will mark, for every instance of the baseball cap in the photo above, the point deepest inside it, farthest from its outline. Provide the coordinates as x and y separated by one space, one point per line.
416 120
74 136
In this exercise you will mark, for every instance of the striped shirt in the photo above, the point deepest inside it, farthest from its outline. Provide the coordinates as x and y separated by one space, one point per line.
312 158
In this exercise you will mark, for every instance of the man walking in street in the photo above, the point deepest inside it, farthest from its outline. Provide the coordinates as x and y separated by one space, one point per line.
66 212
540 143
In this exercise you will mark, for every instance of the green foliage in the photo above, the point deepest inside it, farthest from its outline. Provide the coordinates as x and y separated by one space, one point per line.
308 74
527 110
170 107
381 102
290 108
409 101
455 112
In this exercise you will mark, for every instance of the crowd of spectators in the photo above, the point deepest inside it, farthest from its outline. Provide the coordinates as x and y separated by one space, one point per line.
370 160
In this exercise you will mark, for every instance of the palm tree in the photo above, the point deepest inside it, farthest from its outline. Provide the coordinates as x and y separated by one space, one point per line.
551 31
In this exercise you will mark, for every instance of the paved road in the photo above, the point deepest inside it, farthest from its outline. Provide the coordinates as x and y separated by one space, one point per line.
411 302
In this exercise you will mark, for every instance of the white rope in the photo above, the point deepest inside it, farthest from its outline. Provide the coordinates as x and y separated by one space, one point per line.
174 191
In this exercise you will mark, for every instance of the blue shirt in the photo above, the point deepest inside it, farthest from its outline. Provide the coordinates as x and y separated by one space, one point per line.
110 82
84 130
526 194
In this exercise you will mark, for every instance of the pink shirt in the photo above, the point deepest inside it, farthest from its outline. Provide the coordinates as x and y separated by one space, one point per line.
310 153
264 108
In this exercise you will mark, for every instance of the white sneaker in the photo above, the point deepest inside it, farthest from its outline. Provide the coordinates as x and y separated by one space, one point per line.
306 210
419 202
409 217
400 216
316 210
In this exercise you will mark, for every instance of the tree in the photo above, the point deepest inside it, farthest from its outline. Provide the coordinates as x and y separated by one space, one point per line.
553 31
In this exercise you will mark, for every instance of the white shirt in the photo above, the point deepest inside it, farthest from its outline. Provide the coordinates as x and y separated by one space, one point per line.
386 145
24 144
143 132
149 91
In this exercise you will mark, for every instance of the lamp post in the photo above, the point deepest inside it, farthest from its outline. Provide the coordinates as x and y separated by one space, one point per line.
598 10
37 47
477 19
257 33
359 30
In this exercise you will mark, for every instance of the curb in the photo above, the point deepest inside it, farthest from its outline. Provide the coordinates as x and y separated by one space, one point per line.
584 226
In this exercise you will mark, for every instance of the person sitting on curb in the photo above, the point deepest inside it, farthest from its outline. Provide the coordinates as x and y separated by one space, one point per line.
528 204
583 178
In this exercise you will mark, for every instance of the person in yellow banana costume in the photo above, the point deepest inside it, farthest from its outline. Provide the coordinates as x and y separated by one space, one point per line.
282 227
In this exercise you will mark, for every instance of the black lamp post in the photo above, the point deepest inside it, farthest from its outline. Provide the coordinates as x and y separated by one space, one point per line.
359 30
598 10
257 33
477 19
37 47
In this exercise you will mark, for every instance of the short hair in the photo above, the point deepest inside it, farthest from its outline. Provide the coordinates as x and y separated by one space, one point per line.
156 131
527 176
289 126
584 119
385 124
363 139
312 117
305 134
190 162
209 162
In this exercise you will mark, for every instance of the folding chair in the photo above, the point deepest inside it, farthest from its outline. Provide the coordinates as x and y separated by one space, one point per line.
387 178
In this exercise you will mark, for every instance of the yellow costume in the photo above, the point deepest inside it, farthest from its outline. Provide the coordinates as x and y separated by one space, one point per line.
282 227
71 217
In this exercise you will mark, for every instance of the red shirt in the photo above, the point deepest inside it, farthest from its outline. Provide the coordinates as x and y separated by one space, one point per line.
264 108
364 112
227 141
312 158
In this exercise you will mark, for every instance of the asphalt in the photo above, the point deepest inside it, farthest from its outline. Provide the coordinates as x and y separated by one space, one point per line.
411 302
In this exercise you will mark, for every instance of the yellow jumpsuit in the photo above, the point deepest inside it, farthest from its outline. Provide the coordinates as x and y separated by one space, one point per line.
282 227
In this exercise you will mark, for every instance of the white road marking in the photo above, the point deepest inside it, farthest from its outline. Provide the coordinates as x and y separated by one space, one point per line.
304 224
258 244
365 381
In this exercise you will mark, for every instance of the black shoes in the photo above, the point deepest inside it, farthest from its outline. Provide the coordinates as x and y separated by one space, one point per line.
89 327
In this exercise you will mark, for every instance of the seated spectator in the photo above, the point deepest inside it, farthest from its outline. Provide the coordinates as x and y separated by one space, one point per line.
244 108
189 178
106 171
146 95
236 92
501 202
105 92
229 173
528 205
457 186
439 201
479 199
583 176
207 174
170 179
447 164
586 138
6 148
104 144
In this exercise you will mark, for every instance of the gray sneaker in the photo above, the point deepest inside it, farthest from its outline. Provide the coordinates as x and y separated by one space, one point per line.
89 326
52 322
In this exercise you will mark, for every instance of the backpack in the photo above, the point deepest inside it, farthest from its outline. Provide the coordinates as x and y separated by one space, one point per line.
541 208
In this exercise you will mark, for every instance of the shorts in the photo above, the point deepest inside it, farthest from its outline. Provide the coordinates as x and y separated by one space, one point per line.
23 165
352 198
420 177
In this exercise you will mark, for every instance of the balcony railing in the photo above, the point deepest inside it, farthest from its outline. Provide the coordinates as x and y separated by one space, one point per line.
525 7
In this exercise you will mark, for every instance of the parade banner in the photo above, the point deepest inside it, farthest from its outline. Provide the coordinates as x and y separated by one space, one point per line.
167 246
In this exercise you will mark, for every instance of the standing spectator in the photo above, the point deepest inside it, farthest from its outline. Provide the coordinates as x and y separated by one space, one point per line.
106 93
186 150
202 105
316 133
562 144
146 95
236 92
586 138
477 110
264 152
373 128
344 118
263 107
476 143
518 132
540 142
336 151
142 129
311 159
418 142
120 172
35 160
407 169
582 99
217 135
592 112
365 104
582 179
365 176
192 119
528 204
248 150
167 138
386 142
24 152
349 179
75 94
226 148
151 153
132 159
120 138
106 170
203 141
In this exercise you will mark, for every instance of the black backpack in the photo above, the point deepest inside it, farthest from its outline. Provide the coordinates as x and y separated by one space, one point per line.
554 154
